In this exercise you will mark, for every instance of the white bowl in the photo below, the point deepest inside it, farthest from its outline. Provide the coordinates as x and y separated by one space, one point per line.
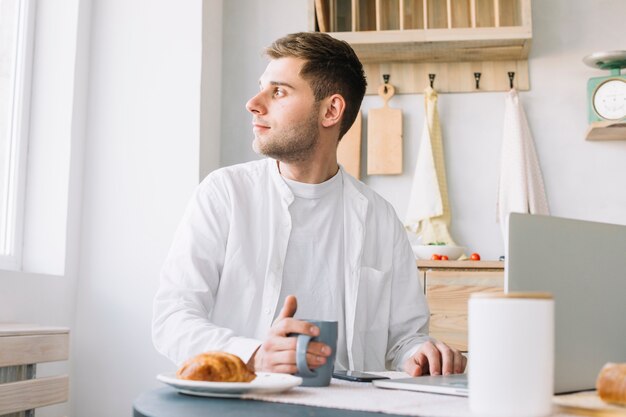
427 251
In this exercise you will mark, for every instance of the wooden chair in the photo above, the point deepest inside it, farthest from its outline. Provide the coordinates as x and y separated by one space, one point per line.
22 347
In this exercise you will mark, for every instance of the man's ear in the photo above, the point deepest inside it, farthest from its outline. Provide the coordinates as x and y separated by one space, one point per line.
333 108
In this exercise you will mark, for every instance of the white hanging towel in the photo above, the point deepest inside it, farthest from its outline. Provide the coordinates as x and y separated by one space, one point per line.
428 214
521 187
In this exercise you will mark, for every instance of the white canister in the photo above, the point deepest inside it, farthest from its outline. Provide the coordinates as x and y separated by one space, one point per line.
511 351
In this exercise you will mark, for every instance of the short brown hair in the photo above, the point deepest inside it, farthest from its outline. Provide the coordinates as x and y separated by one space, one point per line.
330 67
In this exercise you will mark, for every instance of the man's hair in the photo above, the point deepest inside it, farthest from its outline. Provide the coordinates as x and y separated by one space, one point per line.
331 67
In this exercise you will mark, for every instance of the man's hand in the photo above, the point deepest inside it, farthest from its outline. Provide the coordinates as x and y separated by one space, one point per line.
435 358
278 352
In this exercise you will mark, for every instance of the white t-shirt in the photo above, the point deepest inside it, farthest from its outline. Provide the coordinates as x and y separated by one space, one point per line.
314 264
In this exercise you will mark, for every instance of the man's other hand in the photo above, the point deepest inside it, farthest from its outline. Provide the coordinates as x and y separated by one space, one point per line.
435 358
278 352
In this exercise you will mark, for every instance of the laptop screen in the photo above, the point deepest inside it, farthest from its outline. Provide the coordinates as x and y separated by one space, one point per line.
583 265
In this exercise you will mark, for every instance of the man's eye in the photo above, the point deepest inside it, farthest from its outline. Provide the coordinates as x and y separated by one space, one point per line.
279 92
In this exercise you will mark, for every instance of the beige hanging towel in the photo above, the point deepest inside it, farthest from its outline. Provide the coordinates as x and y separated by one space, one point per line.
521 187
428 214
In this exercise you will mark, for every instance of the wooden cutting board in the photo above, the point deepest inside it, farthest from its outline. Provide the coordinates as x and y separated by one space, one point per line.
384 137
323 15
349 149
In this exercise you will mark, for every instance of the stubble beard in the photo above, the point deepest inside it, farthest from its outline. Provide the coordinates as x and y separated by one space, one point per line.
292 145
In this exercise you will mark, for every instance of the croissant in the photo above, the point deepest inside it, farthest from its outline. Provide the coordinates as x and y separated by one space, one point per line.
215 367
611 383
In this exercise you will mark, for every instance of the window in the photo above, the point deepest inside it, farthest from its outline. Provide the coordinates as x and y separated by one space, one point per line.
16 27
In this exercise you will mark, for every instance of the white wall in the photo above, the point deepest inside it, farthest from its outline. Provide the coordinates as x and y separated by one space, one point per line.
141 166
583 179
248 27
211 88
53 197
125 80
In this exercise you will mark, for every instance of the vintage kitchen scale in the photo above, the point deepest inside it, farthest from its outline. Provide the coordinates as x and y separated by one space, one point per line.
606 97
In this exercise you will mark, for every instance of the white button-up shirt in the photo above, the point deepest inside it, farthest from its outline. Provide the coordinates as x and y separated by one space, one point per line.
220 283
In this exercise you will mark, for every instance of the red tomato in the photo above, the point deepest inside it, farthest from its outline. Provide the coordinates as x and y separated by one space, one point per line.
444 257
475 257
435 257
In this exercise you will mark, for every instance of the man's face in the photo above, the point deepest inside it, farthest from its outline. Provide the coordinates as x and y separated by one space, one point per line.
285 115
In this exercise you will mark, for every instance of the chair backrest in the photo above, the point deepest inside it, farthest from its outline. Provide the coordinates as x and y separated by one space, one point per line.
22 347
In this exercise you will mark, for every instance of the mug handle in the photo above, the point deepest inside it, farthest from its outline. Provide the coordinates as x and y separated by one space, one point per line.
303 367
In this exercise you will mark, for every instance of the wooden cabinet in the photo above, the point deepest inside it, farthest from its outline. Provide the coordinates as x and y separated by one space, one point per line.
453 39
21 348
448 285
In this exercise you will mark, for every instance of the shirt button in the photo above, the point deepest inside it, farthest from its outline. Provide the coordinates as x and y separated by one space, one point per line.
268 311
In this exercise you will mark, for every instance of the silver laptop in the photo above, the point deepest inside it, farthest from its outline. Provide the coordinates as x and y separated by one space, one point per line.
437 384
583 265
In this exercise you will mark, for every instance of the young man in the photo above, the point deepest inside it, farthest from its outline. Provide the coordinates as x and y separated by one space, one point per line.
294 231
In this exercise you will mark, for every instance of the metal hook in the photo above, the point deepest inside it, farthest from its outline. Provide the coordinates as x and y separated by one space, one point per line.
431 77
511 76
477 78
386 80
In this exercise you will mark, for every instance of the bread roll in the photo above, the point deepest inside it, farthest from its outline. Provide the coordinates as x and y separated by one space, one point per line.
611 383
215 367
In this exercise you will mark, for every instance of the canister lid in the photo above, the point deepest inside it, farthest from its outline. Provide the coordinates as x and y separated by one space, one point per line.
527 295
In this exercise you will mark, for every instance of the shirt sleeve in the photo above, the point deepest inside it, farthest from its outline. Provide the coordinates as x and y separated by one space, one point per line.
189 279
409 316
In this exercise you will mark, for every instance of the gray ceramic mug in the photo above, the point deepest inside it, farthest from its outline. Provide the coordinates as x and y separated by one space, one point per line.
318 377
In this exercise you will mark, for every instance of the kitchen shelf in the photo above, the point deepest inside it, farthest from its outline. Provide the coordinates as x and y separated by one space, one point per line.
467 264
606 130
439 45
452 39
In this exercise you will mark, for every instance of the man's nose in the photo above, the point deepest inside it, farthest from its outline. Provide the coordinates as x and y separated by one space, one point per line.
255 105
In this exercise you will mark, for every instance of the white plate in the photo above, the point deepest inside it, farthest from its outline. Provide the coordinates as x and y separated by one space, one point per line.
265 383
427 251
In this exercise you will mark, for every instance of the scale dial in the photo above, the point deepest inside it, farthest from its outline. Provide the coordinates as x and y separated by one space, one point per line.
609 99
